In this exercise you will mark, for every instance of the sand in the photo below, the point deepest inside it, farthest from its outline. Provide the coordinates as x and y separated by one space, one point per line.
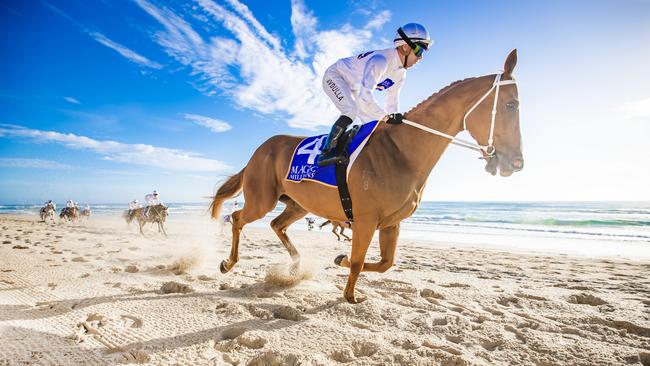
97 293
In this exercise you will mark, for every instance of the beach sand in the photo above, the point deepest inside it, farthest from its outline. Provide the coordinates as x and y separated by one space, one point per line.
98 293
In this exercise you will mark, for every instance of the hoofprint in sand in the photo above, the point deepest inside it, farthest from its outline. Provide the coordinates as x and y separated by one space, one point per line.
97 293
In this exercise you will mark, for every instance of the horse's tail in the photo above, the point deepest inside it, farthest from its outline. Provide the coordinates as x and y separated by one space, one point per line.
229 189
325 223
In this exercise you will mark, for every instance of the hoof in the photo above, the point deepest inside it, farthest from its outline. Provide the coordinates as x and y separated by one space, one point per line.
223 267
338 259
354 300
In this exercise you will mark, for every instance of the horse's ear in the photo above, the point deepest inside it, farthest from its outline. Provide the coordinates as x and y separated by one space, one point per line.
511 62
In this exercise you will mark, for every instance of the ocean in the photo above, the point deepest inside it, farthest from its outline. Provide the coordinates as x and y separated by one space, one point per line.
582 228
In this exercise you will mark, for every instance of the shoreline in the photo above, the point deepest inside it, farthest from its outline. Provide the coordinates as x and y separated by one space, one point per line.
519 242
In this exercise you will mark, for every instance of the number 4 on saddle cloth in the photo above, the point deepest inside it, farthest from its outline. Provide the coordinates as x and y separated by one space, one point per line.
303 163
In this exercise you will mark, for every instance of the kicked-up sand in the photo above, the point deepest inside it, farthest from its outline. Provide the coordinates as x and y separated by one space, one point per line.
97 293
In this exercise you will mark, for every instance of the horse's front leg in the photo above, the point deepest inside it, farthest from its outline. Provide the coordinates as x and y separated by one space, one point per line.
387 246
361 238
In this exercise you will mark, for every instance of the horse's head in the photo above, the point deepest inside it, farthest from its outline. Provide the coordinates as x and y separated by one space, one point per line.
504 151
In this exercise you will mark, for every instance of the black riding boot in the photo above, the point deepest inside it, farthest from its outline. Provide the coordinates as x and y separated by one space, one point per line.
328 154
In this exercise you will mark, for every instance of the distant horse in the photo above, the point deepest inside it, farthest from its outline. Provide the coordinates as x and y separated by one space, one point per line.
226 220
157 214
310 223
47 213
69 214
85 214
338 225
388 177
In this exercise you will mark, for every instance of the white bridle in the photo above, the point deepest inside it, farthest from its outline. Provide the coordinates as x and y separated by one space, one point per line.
488 149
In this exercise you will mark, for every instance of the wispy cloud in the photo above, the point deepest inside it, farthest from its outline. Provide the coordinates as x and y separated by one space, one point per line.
303 24
128 53
245 13
71 100
139 154
10 9
378 21
124 51
636 109
251 66
32 163
214 125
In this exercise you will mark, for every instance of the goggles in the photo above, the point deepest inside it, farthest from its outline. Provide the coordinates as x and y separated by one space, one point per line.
417 47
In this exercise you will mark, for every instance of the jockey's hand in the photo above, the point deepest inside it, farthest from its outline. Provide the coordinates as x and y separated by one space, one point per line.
394 118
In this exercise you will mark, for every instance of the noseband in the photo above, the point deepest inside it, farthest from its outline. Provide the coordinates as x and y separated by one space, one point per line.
488 149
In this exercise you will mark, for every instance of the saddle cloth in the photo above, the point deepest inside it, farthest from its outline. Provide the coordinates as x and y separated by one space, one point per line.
303 163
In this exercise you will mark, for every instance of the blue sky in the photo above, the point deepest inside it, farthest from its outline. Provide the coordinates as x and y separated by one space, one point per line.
104 101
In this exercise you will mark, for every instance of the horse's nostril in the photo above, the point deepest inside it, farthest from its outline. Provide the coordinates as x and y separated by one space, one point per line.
518 164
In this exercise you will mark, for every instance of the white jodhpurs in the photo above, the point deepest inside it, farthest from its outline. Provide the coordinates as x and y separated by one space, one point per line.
340 93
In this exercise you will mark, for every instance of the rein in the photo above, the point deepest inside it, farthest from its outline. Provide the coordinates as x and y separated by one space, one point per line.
488 149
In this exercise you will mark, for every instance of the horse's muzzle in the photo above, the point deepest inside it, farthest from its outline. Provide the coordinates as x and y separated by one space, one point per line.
517 164
506 165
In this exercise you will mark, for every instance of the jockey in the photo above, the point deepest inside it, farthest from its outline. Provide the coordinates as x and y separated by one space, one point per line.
349 83
70 204
50 204
134 205
152 199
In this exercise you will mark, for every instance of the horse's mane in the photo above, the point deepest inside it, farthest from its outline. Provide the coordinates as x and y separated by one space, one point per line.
440 92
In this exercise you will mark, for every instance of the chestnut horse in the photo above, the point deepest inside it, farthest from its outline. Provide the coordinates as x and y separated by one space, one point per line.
47 213
85 214
337 225
69 214
394 166
156 214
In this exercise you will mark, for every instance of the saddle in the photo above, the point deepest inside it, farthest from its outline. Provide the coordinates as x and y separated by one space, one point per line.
304 167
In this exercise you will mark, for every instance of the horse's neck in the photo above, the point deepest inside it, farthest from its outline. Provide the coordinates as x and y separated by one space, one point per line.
419 150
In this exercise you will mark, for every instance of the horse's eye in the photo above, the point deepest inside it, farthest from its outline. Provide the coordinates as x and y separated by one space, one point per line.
513 104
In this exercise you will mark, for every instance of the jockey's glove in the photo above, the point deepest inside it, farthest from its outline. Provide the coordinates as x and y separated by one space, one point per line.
394 118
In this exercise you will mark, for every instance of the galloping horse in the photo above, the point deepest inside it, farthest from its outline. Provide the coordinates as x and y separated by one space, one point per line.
388 177
157 214
338 225
69 214
47 212
85 213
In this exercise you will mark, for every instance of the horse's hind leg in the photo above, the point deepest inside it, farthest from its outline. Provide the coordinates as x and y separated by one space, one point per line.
338 238
258 202
343 235
292 213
